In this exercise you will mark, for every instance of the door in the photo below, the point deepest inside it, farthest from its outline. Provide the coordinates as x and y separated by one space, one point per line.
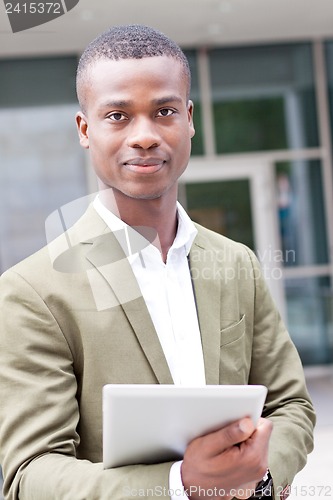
237 199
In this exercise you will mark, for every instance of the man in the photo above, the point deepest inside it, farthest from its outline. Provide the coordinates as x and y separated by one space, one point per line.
169 312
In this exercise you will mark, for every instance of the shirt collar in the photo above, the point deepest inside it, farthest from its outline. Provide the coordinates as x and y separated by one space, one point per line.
186 231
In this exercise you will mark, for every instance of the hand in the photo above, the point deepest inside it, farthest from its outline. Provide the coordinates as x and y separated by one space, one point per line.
246 491
230 461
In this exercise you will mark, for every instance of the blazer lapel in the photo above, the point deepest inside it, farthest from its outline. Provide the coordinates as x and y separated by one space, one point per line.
207 294
109 261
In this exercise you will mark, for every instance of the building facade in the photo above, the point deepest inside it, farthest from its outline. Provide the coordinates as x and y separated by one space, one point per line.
260 171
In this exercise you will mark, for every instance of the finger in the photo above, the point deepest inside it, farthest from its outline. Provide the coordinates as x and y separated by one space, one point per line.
222 439
266 424
263 431
255 449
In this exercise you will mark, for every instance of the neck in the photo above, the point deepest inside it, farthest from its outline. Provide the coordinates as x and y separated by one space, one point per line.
160 214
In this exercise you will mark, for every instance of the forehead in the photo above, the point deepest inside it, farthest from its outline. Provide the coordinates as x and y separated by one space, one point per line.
131 79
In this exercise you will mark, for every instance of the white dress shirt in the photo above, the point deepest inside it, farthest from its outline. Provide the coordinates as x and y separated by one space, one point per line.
168 293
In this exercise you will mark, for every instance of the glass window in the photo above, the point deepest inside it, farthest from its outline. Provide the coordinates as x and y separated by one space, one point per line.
42 165
329 65
197 141
223 207
310 318
263 98
301 213
41 169
34 82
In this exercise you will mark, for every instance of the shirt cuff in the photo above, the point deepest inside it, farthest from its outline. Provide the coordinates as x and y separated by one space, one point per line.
177 491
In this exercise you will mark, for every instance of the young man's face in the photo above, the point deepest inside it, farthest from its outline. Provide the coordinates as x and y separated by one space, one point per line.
137 125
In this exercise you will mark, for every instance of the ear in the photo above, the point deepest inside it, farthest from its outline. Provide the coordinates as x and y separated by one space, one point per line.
190 107
82 128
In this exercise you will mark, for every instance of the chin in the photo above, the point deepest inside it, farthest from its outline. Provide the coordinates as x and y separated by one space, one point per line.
145 196
148 194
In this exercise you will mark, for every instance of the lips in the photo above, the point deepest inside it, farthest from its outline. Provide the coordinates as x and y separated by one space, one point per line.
144 165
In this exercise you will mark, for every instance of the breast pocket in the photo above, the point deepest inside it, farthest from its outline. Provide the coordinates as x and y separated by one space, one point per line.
235 354
233 333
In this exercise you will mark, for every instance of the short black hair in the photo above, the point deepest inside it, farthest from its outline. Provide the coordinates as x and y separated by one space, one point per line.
132 41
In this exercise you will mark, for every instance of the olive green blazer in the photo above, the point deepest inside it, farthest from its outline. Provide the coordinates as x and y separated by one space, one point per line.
72 319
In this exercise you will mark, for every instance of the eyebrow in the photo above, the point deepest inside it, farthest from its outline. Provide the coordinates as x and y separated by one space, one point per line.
116 104
122 103
165 100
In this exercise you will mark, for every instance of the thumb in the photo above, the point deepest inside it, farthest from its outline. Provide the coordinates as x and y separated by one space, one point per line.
230 435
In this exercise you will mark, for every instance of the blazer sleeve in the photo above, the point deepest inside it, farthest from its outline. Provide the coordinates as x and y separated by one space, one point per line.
39 412
276 364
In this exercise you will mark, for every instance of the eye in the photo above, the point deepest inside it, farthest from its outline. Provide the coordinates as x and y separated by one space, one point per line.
165 112
117 117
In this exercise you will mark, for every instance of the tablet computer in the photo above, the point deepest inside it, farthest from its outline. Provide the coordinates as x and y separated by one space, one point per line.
145 424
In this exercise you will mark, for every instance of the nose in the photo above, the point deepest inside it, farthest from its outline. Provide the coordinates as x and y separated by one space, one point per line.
143 134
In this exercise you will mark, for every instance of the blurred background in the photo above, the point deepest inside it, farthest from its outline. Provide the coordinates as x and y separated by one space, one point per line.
261 167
